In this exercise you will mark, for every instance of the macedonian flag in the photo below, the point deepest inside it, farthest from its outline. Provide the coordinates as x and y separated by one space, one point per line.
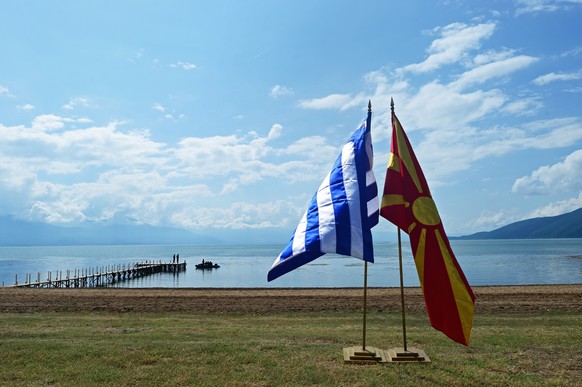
408 204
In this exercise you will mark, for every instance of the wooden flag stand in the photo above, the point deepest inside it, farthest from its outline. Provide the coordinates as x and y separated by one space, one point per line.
405 354
362 354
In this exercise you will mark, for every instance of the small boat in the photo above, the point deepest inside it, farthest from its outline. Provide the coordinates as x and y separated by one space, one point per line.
207 265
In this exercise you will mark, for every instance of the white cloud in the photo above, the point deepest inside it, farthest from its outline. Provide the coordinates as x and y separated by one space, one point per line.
543 134
77 102
159 107
57 172
455 41
26 107
279 91
333 101
450 114
168 114
184 65
535 6
558 208
492 56
5 92
552 77
489 220
572 52
495 69
523 107
565 176
239 215
47 122
275 132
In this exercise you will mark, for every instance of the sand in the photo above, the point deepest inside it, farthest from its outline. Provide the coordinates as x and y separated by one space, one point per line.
490 300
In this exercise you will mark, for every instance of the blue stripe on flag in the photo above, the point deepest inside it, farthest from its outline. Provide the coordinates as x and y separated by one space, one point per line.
342 212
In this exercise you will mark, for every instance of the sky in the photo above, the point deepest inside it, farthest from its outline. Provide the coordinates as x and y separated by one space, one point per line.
226 115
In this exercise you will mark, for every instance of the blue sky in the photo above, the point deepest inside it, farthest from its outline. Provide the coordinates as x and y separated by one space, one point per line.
226 115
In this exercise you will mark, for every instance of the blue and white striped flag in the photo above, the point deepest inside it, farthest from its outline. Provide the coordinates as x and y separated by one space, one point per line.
342 212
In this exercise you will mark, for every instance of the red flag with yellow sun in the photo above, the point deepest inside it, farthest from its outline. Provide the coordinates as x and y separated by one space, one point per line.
408 204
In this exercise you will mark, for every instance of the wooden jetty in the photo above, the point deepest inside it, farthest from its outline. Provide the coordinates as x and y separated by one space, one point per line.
99 276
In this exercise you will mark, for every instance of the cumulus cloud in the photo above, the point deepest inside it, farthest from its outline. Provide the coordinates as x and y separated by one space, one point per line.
552 77
495 69
275 132
61 170
77 102
26 107
563 176
490 220
333 101
451 114
279 91
240 215
158 107
558 208
455 41
47 122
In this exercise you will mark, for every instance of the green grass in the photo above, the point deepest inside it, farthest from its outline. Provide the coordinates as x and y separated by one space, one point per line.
287 349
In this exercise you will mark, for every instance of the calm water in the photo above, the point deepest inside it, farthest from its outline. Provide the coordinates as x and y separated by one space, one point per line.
499 262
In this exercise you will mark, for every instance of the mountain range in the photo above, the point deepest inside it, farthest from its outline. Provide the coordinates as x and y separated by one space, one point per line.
24 233
567 225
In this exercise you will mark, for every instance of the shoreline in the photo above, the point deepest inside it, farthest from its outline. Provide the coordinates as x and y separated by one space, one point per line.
498 299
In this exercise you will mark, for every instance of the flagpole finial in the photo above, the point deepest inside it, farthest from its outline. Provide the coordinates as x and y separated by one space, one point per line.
392 104
369 106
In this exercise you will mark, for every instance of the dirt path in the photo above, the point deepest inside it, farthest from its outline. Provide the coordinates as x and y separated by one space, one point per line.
494 299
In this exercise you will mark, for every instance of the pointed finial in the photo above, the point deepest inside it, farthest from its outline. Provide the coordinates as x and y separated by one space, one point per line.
369 106
392 104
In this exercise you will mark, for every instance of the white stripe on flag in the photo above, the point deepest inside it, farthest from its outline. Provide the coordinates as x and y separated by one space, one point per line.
373 204
327 234
299 237
350 174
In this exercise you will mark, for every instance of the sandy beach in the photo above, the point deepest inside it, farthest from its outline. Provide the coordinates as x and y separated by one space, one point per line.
490 300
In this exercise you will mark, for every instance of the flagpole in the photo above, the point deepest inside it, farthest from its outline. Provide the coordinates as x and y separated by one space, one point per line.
365 303
363 354
403 354
368 124
402 290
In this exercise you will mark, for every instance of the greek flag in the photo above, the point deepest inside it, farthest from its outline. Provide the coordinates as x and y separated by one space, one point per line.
342 212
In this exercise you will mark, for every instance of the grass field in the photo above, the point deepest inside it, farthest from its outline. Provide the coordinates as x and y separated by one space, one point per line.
245 349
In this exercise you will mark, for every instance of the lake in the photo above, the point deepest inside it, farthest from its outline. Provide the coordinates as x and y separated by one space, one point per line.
485 262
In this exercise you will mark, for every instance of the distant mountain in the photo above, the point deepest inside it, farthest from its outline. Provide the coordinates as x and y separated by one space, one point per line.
562 226
22 233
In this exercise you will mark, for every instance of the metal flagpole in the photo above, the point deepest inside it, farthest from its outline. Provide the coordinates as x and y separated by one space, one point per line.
402 290
403 354
363 354
365 303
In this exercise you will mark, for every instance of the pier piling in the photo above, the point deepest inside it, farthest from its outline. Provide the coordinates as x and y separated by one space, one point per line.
94 277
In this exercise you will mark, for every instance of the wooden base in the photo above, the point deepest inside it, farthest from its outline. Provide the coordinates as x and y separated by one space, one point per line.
370 355
412 355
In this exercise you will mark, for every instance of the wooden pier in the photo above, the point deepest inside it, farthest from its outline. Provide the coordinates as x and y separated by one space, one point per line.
99 276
